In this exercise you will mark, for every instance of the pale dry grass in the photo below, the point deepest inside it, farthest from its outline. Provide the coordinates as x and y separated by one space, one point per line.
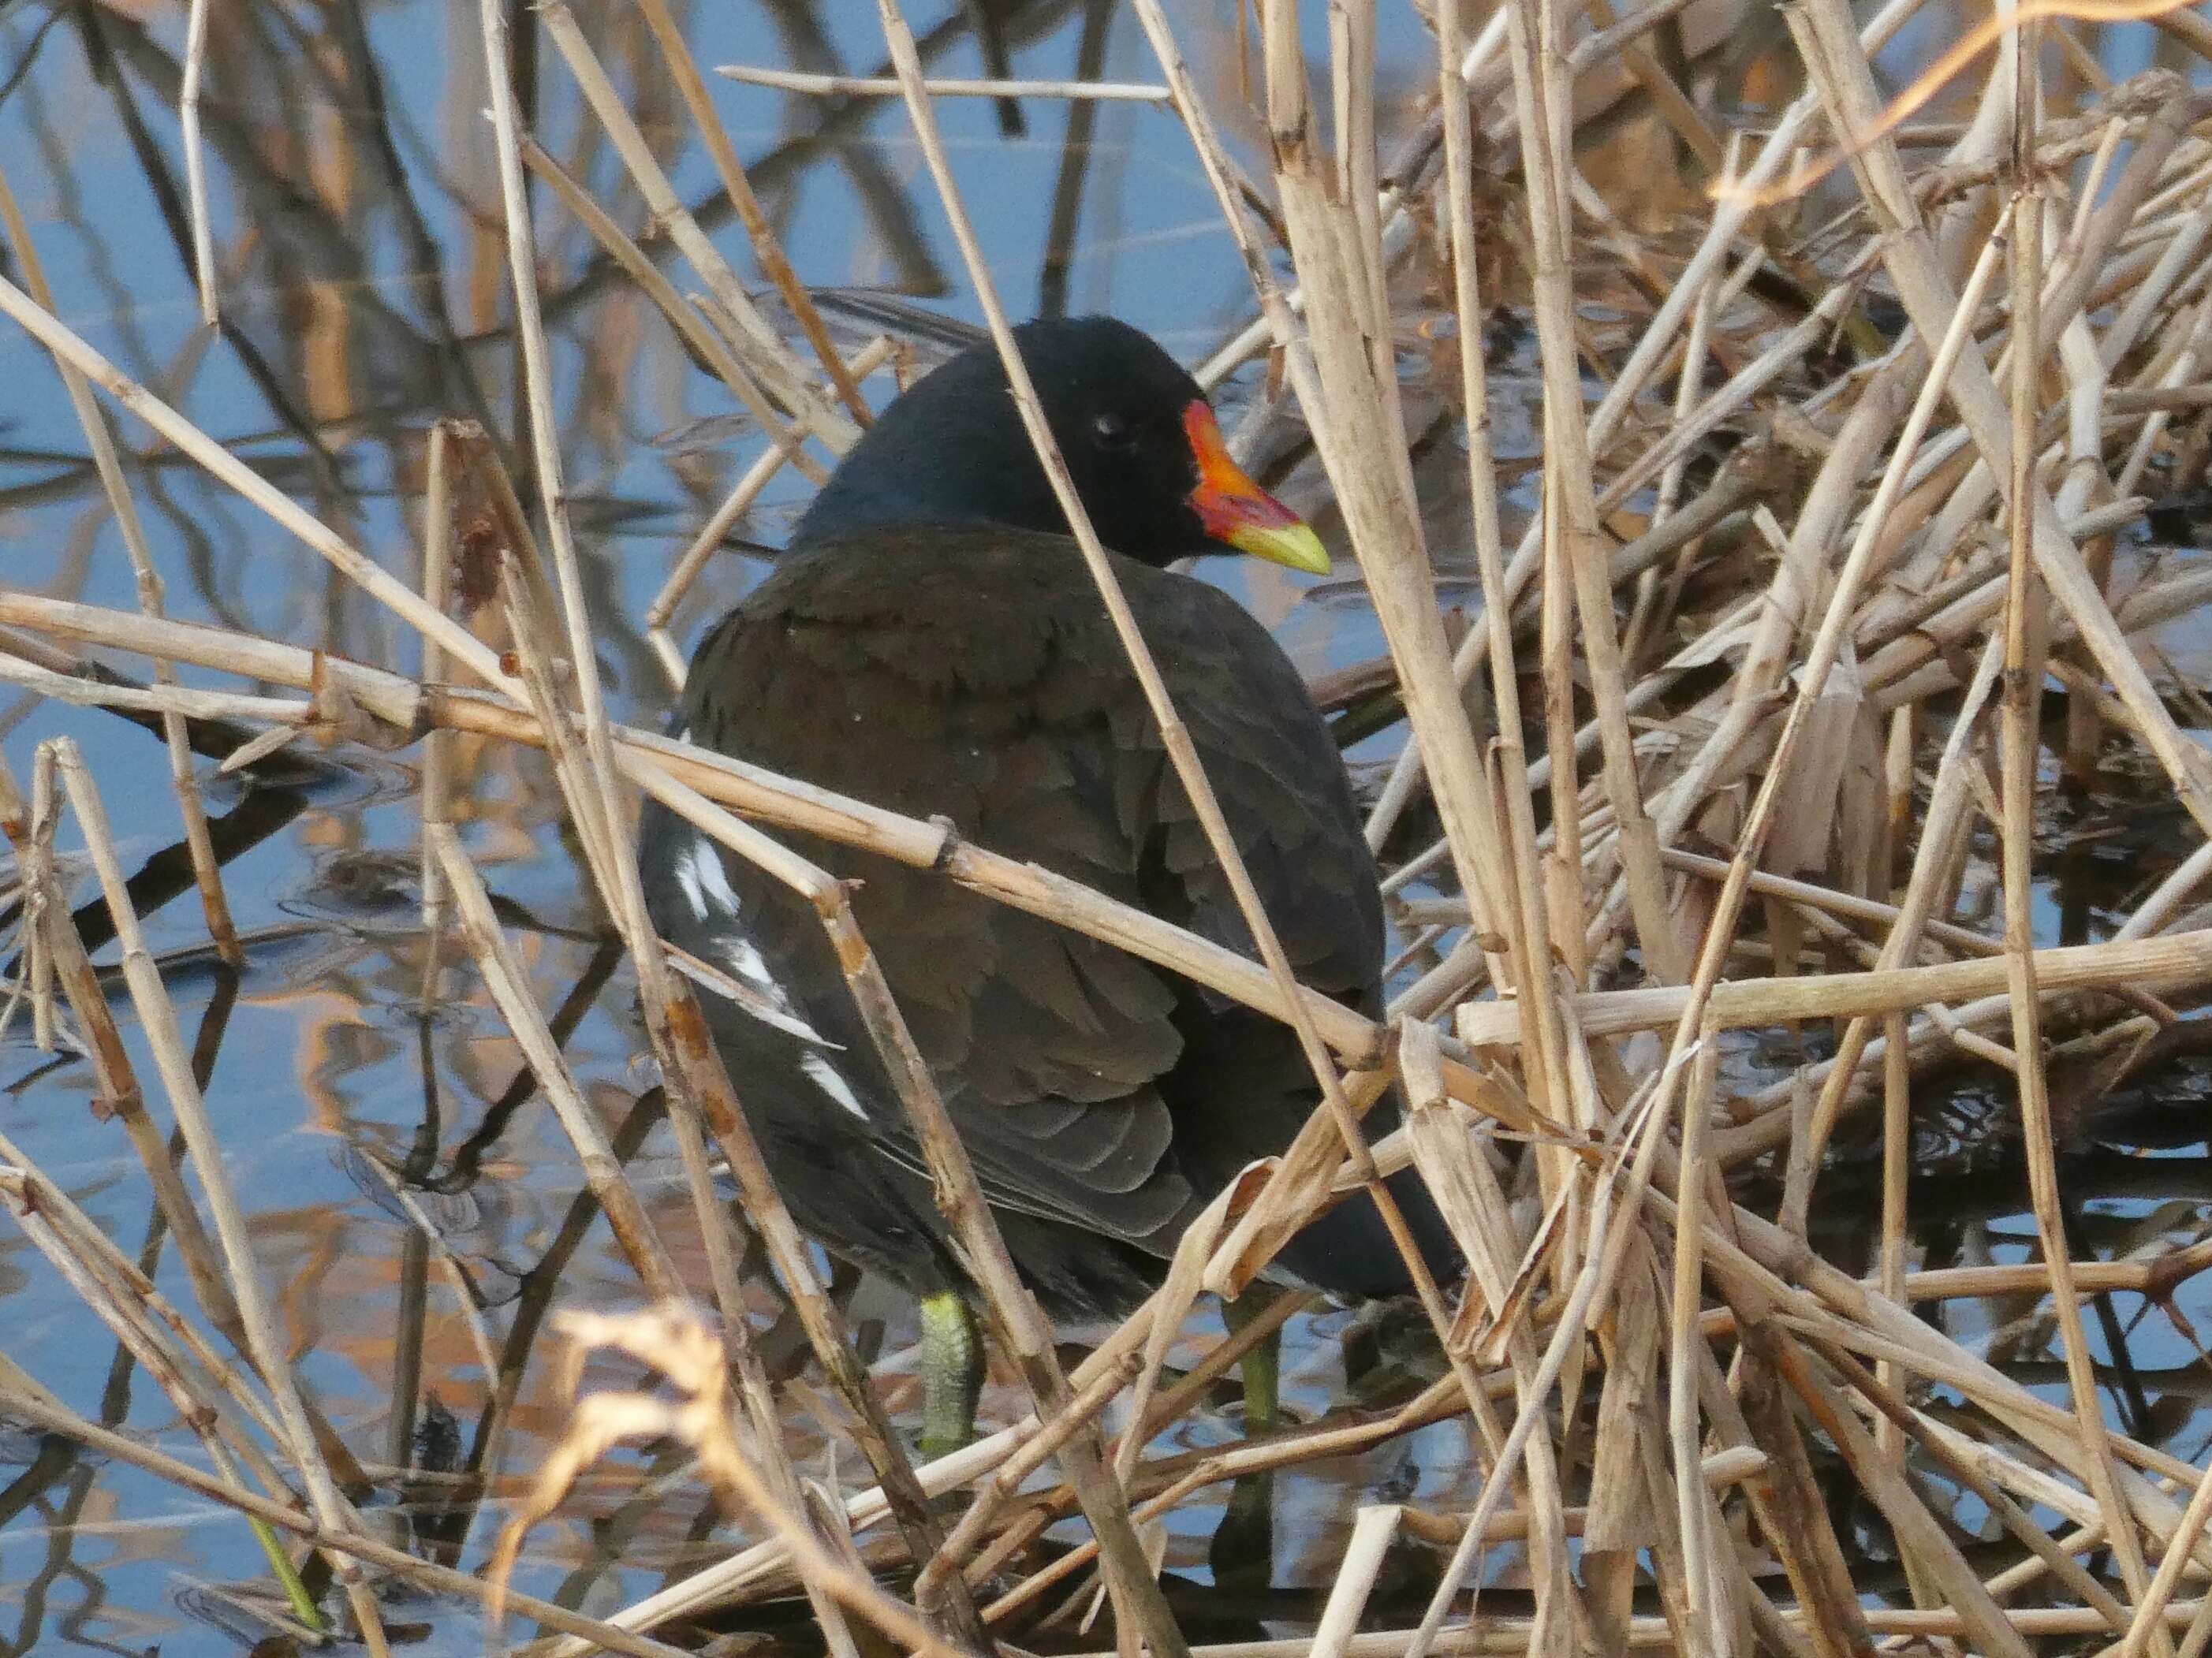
1648 1366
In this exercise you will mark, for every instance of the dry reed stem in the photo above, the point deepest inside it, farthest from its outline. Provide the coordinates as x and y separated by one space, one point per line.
350 1542
590 779
2183 958
591 787
1527 921
437 745
1169 1308
2019 709
709 540
196 194
1175 737
787 442
1698 1539
1033 1450
1574 553
100 438
1917 582
504 977
862 85
672 1340
30 834
157 1019
1371 1532
683 70
1347 385
1843 905
766 358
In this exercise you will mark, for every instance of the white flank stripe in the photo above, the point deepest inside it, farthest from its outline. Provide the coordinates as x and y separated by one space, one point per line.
706 887
827 1080
687 881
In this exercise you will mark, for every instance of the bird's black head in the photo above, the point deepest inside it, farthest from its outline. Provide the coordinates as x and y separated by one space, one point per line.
1140 442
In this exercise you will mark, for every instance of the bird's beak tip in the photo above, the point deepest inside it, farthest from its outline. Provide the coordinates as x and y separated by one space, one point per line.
1237 512
1293 544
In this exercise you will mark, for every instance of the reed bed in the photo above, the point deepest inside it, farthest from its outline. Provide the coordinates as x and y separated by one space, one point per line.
1914 387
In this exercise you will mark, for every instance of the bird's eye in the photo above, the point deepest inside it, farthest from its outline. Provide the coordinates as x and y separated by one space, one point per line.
1111 431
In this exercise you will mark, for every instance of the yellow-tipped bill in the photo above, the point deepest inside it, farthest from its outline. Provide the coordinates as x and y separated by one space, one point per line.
1237 512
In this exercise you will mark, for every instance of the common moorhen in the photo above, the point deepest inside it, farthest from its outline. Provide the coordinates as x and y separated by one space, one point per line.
932 642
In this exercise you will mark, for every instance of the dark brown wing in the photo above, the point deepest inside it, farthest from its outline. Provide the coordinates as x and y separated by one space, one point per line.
974 674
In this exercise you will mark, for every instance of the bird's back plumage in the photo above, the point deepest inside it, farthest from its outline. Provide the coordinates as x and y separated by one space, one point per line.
934 644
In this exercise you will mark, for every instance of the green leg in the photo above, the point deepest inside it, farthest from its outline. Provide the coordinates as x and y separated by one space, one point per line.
1241 1552
1262 1368
951 1373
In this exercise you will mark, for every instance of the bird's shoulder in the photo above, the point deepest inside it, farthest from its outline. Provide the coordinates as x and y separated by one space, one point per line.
974 673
